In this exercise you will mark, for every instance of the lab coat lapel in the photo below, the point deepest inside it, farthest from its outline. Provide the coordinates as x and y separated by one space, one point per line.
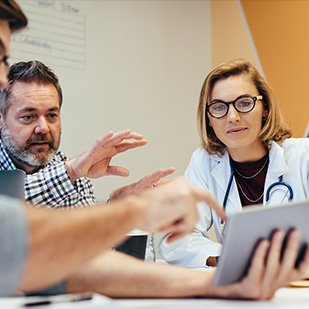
221 174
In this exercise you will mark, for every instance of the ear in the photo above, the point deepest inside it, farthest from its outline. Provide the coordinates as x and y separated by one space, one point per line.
1 121
265 113
265 110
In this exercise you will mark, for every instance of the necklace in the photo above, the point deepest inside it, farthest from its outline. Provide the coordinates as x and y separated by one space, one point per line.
245 195
252 176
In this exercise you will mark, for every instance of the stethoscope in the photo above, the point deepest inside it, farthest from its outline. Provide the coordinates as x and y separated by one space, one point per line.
280 182
271 188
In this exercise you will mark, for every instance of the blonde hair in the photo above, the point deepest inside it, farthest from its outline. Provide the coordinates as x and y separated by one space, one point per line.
274 125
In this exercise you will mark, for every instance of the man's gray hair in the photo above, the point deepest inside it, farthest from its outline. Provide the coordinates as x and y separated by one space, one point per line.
28 72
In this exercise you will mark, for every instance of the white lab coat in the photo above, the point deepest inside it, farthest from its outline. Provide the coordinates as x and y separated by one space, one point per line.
291 160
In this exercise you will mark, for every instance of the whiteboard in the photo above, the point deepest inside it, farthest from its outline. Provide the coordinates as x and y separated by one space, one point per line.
124 64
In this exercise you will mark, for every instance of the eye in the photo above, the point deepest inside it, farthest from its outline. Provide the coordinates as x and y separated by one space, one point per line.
27 118
244 102
218 107
52 116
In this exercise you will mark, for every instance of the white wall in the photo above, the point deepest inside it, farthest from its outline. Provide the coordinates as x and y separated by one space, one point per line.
143 67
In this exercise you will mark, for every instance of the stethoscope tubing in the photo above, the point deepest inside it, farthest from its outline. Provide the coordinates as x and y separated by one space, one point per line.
280 182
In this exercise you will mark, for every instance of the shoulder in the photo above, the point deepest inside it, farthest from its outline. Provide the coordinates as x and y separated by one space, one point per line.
202 157
199 153
294 149
296 144
202 154
199 156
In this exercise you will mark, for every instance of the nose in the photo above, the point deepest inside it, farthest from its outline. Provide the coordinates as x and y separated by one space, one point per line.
41 126
233 114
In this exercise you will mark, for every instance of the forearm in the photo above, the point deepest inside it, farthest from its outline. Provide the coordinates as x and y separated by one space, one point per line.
54 251
118 275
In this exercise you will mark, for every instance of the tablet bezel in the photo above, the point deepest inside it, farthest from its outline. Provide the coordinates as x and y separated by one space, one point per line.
243 231
12 183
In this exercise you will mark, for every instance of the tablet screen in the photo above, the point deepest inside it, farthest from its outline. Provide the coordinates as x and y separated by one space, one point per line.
245 229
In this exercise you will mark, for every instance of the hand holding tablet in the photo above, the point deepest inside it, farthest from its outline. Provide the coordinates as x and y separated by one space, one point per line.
245 229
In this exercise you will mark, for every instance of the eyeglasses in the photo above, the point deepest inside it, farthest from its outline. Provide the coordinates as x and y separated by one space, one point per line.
4 60
243 104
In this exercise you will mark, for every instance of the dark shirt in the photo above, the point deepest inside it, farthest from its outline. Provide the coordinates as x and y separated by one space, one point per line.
250 179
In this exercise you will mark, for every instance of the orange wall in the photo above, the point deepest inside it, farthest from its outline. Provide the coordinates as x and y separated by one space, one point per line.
229 36
278 39
280 30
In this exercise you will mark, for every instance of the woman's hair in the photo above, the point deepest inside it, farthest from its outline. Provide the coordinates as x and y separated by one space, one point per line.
274 125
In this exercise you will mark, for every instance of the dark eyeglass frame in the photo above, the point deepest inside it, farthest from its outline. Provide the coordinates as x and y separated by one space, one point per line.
227 104
4 60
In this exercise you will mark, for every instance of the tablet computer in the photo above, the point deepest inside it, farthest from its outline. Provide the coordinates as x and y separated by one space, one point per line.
12 183
243 231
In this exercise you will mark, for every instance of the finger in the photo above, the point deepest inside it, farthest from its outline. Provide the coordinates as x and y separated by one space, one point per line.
273 262
112 139
289 258
181 227
164 181
174 236
154 178
118 137
303 268
176 233
257 265
179 230
126 145
135 135
104 139
166 228
162 173
117 171
206 196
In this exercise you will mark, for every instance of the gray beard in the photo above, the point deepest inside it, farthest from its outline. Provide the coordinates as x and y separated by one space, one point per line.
23 156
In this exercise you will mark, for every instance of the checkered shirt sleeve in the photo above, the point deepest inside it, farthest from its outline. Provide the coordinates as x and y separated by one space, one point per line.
51 185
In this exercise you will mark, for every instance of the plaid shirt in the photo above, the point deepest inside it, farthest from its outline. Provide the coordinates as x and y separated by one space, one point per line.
51 185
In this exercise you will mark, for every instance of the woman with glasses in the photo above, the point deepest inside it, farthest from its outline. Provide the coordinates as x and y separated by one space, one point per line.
246 157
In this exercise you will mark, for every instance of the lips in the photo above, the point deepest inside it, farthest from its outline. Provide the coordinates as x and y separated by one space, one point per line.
236 130
40 142
40 145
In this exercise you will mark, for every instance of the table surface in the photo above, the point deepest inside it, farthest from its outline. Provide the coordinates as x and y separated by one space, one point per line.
284 298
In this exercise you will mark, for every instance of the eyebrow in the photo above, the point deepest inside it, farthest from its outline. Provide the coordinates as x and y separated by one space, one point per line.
241 96
32 109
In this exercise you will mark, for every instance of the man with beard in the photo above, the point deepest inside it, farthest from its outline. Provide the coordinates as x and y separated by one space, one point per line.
30 127
40 248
